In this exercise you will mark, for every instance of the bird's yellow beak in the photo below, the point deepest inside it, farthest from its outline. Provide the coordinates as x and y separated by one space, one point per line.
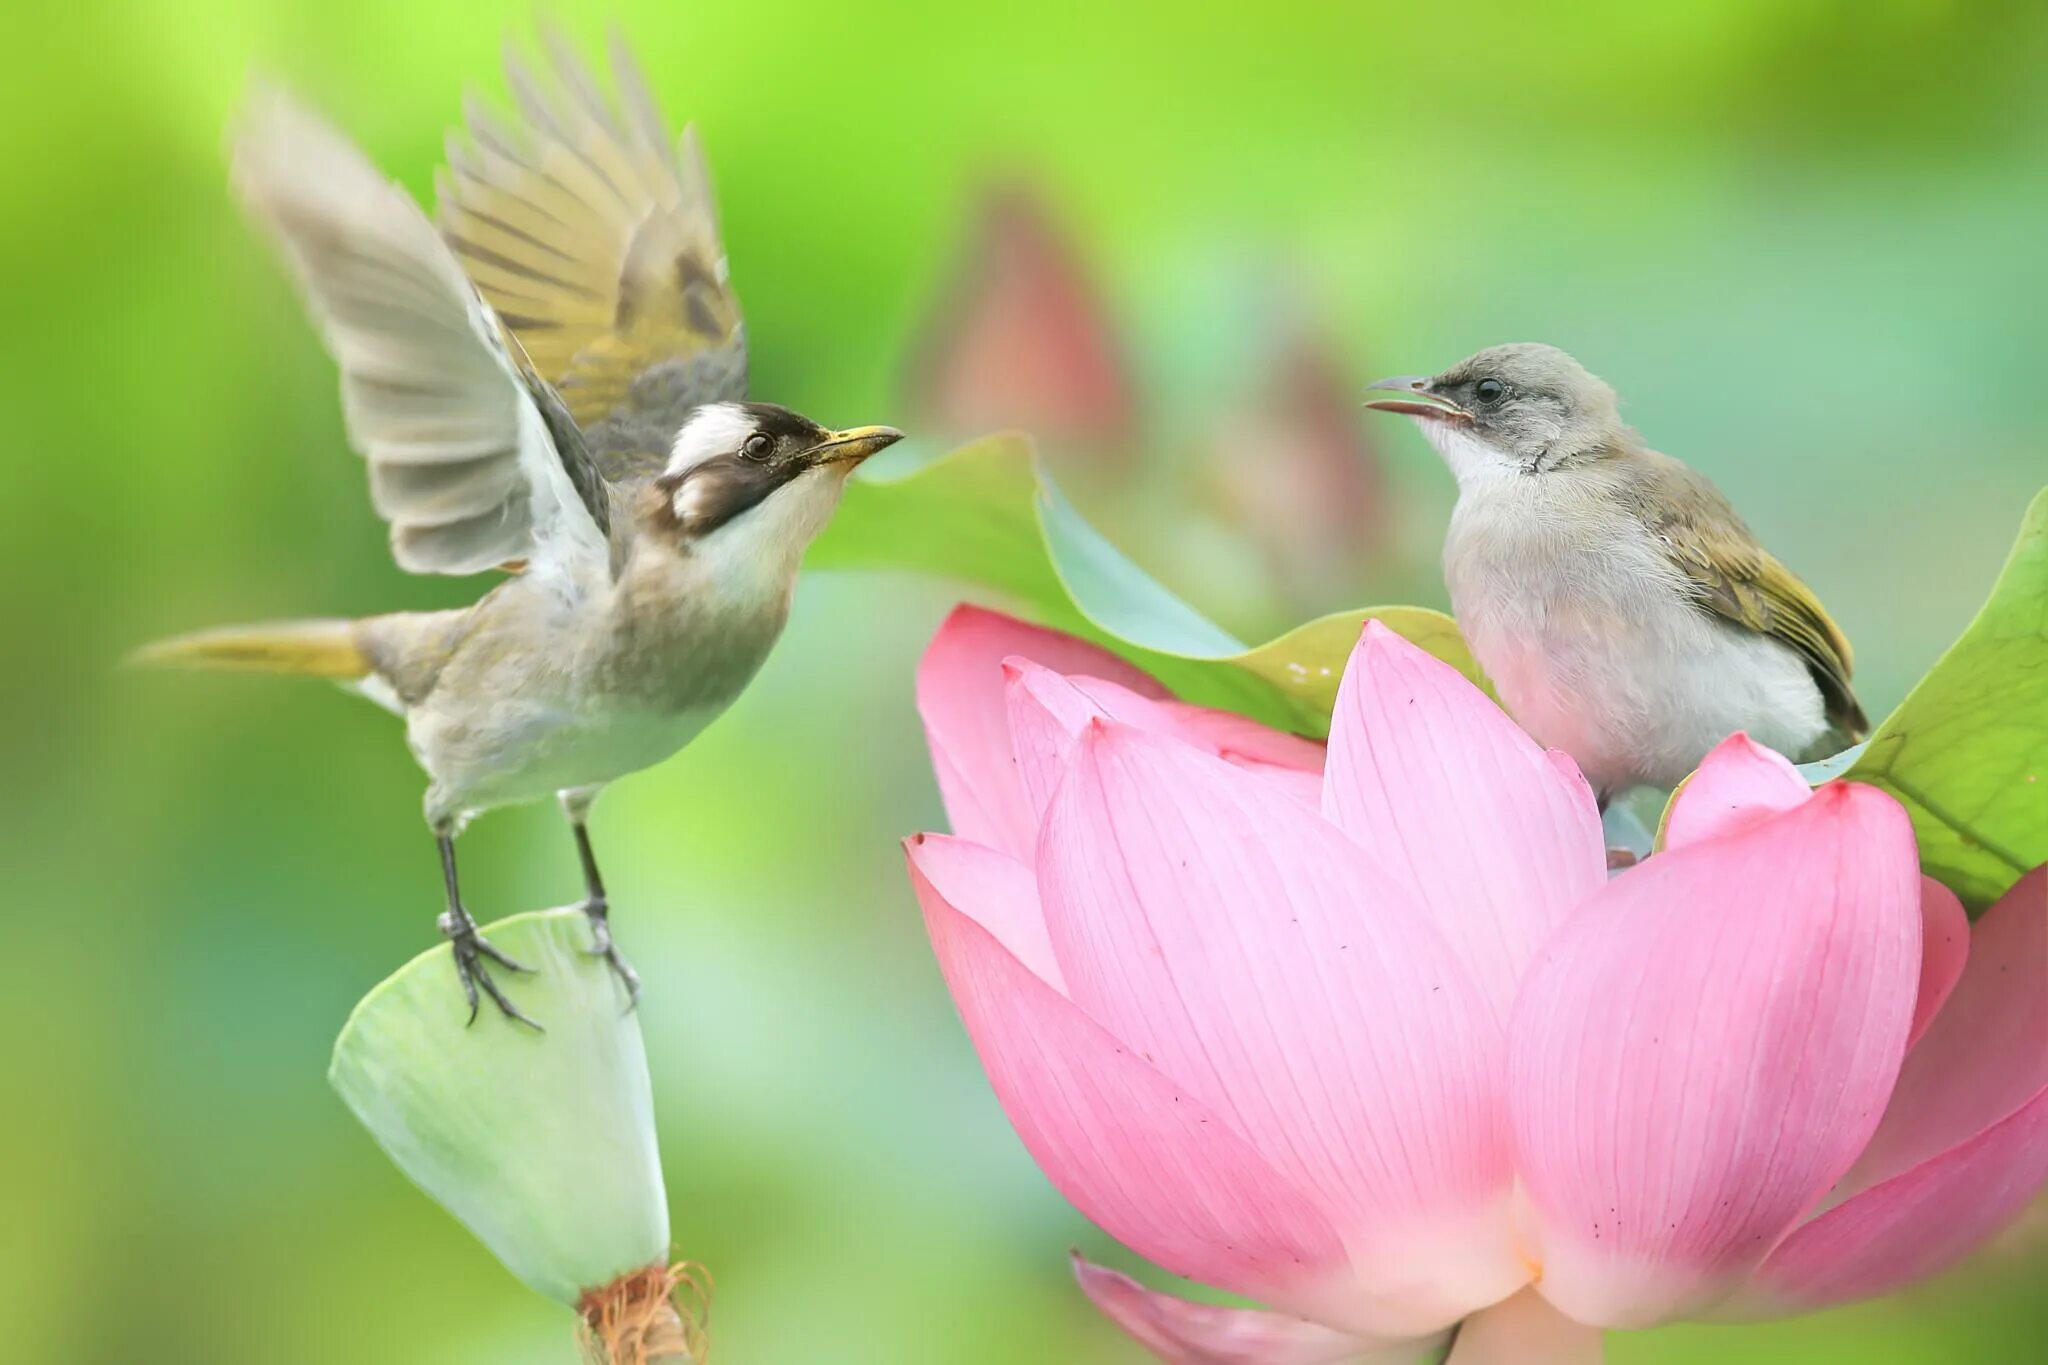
853 445
1416 399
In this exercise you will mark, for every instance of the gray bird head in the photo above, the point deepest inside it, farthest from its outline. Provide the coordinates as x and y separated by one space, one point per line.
1524 407
759 471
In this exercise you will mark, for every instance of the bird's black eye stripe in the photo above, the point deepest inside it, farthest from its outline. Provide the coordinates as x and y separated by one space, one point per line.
1489 390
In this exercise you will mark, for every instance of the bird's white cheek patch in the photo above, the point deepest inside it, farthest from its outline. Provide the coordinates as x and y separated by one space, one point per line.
689 502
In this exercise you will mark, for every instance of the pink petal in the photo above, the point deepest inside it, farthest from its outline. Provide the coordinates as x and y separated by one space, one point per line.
1741 784
1497 840
1303 786
1049 711
1141 1156
1738 785
1525 1330
1252 953
960 697
1186 1333
1912 1226
992 889
1702 1053
1241 737
1944 950
1985 1054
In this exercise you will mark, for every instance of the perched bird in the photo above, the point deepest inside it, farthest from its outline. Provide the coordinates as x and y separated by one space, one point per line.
551 383
1623 610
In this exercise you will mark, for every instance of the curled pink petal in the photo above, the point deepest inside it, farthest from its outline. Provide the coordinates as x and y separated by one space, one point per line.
1185 1333
1525 1330
1498 842
1703 1052
1252 952
1911 1226
1985 1054
960 697
1143 1157
1737 785
992 889
1944 950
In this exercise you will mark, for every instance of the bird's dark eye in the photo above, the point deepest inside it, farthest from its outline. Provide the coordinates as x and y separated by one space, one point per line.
756 448
1489 390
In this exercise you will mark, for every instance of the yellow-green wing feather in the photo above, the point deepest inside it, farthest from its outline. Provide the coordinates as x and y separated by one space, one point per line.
1739 580
594 239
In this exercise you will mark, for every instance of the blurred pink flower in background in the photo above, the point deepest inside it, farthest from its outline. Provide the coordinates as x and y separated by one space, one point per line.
1020 338
1264 459
1371 1037
1290 468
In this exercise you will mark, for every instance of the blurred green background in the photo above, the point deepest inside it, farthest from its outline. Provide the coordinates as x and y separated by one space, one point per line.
1803 240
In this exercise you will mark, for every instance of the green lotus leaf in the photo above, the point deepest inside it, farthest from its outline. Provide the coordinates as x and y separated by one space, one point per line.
988 514
542 1144
1966 753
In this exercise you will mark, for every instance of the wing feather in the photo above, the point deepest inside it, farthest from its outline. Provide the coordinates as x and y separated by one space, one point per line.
464 462
1736 578
595 239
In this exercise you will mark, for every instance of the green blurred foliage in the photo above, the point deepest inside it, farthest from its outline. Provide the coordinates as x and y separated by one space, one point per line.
1801 238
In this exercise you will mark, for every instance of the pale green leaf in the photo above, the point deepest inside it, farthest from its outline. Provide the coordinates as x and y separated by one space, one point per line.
1833 766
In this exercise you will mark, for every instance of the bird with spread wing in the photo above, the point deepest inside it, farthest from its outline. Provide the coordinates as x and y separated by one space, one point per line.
552 382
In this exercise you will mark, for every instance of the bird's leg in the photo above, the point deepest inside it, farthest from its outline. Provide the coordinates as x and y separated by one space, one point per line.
595 907
469 946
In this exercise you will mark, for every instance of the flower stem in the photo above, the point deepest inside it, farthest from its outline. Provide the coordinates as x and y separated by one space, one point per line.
652 1316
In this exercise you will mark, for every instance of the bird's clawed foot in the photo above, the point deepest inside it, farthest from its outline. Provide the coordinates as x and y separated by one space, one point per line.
598 911
471 948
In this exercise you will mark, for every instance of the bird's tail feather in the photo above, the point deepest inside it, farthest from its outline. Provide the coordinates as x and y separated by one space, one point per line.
306 649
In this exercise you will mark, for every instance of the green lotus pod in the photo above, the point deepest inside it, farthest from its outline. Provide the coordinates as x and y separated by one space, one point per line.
541 1143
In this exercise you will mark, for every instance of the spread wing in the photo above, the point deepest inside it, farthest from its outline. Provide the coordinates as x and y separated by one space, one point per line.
595 239
465 462
1736 578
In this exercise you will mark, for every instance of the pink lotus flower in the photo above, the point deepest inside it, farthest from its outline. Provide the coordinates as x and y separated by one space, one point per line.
1377 1041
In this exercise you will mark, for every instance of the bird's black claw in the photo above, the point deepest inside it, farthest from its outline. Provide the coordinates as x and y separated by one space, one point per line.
484 946
599 914
505 1006
628 978
598 911
470 949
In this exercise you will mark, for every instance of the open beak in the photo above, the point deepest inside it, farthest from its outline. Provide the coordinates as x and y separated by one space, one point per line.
853 445
1415 399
